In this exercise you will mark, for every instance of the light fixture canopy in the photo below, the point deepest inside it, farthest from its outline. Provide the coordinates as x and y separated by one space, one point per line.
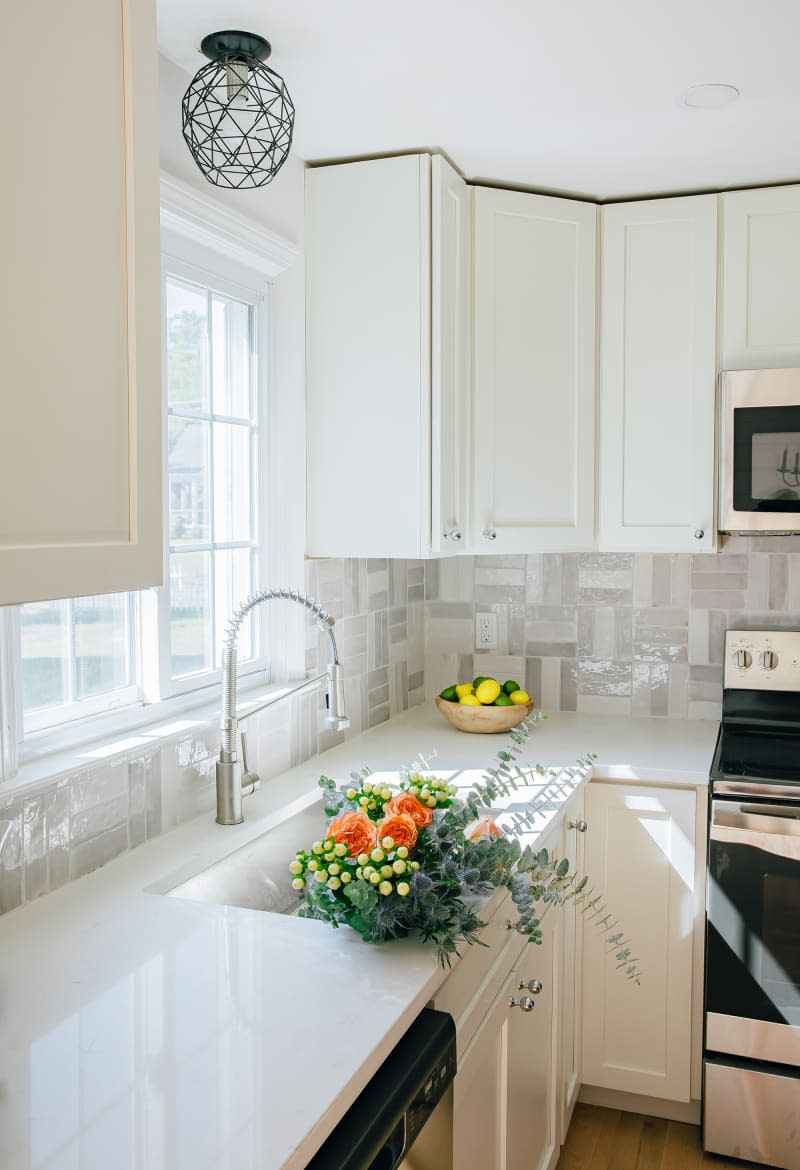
710 95
238 117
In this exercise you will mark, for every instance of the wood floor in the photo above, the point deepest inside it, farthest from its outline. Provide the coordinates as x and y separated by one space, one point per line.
606 1139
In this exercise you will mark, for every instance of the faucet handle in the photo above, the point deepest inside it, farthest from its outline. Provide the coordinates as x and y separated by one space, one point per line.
250 780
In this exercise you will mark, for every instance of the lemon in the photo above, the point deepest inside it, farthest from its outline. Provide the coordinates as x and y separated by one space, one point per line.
519 697
476 682
463 689
487 691
469 701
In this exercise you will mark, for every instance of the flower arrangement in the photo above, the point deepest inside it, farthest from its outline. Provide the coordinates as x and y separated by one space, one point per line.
418 857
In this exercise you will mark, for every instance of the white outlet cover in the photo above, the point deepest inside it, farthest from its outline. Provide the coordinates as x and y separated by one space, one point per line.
485 631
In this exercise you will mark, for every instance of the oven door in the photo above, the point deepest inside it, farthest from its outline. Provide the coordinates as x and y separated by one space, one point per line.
753 940
760 451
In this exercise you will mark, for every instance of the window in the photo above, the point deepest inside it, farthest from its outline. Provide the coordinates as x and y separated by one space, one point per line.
83 656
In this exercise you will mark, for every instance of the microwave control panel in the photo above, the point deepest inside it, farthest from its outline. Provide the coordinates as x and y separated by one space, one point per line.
762 660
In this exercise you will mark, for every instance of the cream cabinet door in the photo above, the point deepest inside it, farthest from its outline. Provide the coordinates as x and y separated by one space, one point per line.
80 441
658 375
534 372
574 831
761 278
387 295
640 854
533 1138
479 1096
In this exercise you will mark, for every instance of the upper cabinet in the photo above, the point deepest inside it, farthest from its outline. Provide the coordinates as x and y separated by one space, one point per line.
761 278
387 351
80 444
658 374
534 372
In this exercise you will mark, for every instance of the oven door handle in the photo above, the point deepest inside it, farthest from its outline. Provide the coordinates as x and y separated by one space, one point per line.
771 828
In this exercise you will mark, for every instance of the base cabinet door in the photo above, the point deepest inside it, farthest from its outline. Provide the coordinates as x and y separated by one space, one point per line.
534 363
639 853
569 1077
479 1099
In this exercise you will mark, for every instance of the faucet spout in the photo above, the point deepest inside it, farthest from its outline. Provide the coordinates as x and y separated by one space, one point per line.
229 786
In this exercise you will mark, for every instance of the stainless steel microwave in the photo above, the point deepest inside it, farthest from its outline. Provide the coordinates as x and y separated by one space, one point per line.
760 451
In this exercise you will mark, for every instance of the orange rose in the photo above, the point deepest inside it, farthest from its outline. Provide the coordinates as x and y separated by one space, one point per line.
484 829
404 802
355 830
401 828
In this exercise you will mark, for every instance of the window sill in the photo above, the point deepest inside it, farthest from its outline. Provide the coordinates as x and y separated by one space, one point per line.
49 756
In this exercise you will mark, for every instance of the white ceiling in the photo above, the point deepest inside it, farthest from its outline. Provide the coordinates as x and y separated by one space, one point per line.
578 96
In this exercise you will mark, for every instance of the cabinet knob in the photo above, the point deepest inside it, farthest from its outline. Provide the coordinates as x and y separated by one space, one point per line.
581 826
526 1003
534 986
699 533
514 926
489 534
454 534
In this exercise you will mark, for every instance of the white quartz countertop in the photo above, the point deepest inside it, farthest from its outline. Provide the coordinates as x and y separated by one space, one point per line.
149 1033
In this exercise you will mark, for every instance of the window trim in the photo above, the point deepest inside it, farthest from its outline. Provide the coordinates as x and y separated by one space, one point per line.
196 226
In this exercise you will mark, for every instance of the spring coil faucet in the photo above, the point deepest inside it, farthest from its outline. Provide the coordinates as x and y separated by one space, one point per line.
229 788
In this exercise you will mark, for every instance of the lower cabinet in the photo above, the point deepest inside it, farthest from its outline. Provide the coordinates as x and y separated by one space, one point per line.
640 853
570 923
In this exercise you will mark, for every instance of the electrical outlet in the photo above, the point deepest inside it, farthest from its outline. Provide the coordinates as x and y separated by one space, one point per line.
485 631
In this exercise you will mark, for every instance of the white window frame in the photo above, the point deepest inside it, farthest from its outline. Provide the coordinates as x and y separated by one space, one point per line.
200 232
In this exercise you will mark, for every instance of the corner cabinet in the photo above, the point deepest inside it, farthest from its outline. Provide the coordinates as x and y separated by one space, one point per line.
387 352
80 444
658 375
640 853
761 278
534 372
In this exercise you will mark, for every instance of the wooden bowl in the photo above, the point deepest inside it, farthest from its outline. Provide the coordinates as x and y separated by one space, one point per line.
483 720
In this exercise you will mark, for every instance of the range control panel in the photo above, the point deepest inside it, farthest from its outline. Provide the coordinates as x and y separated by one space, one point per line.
762 660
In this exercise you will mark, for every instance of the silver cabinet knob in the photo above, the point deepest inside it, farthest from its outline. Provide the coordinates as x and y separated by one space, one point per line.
742 659
699 533
489 534
526 1003
769 660
454 534
534 986
581 826
514 926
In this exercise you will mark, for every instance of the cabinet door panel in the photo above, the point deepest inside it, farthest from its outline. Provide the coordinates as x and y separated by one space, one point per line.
368 358
479 1099
80 445
450 331
657 382
761 278
640 856
571 973
533 372
532 1139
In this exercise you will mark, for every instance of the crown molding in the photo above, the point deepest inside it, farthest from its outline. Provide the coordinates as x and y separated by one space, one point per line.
205 221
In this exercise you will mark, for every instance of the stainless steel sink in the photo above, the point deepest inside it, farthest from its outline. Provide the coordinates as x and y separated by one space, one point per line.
257 876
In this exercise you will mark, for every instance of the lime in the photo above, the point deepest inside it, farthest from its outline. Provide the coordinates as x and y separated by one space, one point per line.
487 691
476 682
469 701
510 686
519 697
463 689
449 693
503 700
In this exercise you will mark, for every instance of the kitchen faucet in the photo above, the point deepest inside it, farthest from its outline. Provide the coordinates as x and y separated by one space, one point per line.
230 789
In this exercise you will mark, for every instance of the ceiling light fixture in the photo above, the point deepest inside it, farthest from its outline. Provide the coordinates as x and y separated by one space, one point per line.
711 95
238 117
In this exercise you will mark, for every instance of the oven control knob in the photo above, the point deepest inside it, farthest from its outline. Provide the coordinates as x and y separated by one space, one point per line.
742 659
769 660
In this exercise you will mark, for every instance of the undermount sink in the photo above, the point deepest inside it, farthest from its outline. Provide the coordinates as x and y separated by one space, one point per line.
256 877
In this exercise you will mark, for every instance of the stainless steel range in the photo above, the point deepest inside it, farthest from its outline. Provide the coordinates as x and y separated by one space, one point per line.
751 1106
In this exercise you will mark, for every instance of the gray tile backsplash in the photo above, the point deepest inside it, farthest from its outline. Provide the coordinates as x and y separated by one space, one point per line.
69 827
627 633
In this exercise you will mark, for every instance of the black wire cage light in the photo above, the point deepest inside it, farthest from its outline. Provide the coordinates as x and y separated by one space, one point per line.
238 117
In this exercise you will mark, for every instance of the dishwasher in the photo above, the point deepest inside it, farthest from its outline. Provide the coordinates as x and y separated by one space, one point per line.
403 1120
